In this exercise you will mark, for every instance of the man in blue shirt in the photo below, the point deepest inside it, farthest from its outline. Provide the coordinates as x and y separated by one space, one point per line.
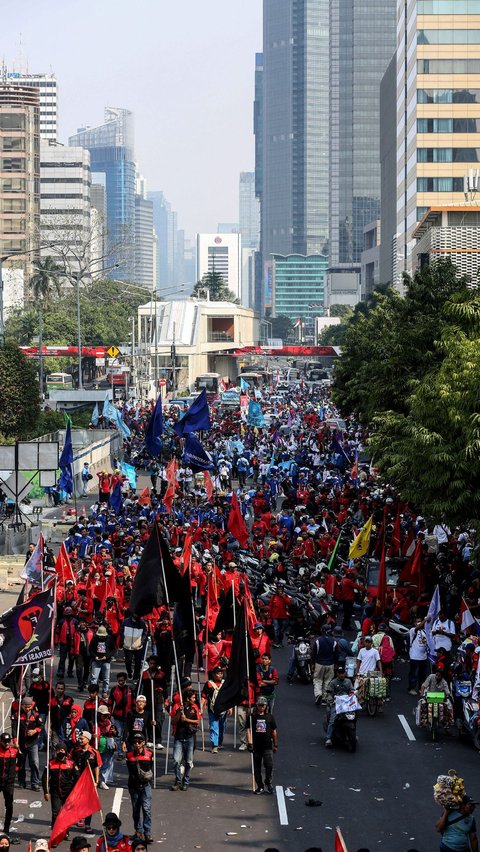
458 828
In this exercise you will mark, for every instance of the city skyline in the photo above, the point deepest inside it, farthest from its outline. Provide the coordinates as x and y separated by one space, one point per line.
195 168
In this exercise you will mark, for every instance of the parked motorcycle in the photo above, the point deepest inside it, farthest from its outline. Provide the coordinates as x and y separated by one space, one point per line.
467 711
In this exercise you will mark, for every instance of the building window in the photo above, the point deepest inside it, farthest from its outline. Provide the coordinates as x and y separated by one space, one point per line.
448 155
448 66
448 36
447 7
448 96
11 121
440 184
448 125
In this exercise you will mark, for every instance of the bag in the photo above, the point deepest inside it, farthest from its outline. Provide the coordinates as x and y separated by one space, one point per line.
102 744
89 476
144 776
132 638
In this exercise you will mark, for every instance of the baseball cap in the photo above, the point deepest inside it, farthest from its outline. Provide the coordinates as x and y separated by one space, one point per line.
262 700
258 626
138 738
103 709
87 735
42 843
141 698
467 800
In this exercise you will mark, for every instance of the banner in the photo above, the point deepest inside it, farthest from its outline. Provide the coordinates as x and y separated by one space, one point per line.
26 632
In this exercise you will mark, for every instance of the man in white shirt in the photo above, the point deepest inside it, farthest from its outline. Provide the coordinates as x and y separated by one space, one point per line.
443 632
418 654
368 659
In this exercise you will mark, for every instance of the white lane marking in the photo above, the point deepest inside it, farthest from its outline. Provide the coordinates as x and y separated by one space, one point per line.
117 800
282 808
406 727
357 623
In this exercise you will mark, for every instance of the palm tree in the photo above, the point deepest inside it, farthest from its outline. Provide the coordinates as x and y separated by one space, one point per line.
44 281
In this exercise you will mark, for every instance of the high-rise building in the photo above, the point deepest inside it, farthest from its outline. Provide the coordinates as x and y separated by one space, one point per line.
47 90
65 221
298 286
111 147
438 110
98 218
388 173
221 254
19 174
362 42
293 128
259 290
145 271
248 211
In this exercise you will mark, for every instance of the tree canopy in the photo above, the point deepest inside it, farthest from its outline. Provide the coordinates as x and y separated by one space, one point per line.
19 393
409 370
218 290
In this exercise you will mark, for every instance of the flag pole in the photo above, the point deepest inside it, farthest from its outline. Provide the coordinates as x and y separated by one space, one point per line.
248 692
235 712
100 811
172 670
153 737
196 654
49 715
20 688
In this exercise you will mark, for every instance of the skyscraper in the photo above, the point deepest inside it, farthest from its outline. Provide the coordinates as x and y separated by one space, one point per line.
111 147
438 113
145 271
169 242
47 90
248 211
362 43
293 91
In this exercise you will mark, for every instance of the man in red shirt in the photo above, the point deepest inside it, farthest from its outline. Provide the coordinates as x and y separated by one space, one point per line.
279 614
348 587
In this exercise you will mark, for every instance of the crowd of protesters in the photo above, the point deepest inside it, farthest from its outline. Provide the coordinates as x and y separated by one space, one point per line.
141 684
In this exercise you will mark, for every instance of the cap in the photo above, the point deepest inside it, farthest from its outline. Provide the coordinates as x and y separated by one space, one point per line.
141 697
337 631
6 738
35 672
368 639
258 626
102 631
262 700
68 610
77 844
112 818
103 709
467 800
27 700
42 843
87 735
340 669
137 738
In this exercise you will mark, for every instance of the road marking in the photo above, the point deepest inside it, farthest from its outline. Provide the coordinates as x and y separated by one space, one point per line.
117 801
282 808
406 727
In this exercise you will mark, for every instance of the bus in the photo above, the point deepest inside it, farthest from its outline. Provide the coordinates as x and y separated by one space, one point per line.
209 381
255 378
59 380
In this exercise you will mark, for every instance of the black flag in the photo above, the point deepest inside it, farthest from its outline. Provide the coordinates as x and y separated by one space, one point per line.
149 589
227 617
26 632
241 668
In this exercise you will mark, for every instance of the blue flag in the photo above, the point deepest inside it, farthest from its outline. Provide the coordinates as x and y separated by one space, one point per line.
106 406
196 418
115 500
66 460
153 435
33 569
111 412
95 415
129 471
255 414
244 386
195 456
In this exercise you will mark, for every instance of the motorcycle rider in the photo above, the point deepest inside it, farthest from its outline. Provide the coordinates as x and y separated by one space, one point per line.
340 685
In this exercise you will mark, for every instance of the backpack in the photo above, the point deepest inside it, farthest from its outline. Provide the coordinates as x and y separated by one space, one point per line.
386 650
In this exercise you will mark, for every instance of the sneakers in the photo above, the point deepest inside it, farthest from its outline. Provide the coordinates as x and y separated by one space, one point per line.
328 743
184 786
215 750
103 786
242 747
269 788
148 838
259 790
318 700
14 841
160 747
89 830
412 692
175 787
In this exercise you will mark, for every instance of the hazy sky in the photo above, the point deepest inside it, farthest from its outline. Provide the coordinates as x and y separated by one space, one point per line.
185 68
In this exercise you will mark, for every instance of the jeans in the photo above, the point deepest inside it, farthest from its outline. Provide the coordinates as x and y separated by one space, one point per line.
120 726
30 752
141 809
217 728
417 673
106 769
322 676
183 753
331 721
100 673
279 625
265 757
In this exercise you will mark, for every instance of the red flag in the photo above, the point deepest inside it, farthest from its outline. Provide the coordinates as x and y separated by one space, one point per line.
171 472
82 802
249 607
168 498
409 543
329 584
236 524
340 845
213 605
186 553
144 499
207 479
411 570
382 581
396 538
63 566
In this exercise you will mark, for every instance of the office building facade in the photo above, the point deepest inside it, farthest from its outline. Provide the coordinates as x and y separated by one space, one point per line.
362 43
292 91
170 241
145 239
438 110
298 283
248 211
19 175
47 91
111 148
222 254
65 215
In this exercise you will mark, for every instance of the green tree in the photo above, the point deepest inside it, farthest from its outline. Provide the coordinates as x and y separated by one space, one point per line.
19 393
218 290
281 326
44 281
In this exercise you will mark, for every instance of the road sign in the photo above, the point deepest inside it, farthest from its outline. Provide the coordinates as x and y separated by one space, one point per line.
113 351
162 382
